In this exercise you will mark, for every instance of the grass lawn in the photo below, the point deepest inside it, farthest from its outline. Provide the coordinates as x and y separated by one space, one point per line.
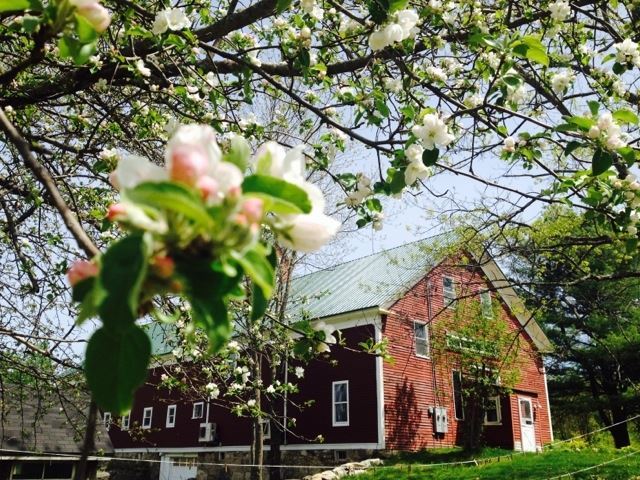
554 462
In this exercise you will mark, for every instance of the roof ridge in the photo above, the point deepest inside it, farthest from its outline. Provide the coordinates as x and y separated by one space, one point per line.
371 254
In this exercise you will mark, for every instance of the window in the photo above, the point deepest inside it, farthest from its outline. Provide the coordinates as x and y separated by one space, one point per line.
198 410
266 429
40 470
171 416
340 455
421 339
458 404
492 414
106 420
485 305
147 413
340 403
449 292
125 421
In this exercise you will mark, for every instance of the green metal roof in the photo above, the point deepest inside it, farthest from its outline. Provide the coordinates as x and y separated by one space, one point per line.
371 281
162 337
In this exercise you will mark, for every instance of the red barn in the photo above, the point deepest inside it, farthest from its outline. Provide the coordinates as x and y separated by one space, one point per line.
363 404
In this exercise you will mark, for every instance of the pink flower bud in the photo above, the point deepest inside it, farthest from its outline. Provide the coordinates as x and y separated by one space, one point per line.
252 209
208 187
163 266
234 193
188 164
94 13
81 270
241 219
116 212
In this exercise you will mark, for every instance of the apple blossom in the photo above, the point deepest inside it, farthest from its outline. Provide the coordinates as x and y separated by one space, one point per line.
627 52
560 10
133 169
188 163
561 81
93 12
299 372
329 338
142 68
433 132
509 145
81 270
170 19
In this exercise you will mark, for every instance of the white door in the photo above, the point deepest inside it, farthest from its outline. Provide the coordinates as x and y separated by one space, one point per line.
178 468
527 427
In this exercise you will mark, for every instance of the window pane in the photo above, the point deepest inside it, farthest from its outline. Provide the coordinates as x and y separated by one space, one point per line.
28 470
58 470
340 392
525 409
447 283
420 330
341 412
422 348
457 395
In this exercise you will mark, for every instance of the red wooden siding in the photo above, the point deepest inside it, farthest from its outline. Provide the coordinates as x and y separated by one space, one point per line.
357 368
414 384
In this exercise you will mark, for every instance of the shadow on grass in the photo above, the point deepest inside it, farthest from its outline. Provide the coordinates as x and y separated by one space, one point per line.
445 455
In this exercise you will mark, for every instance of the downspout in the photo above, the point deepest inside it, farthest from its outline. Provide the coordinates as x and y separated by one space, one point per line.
286 401
434 377
546 394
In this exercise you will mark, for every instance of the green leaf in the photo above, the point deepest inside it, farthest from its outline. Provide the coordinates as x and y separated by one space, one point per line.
618 68
14 5
85 30
239 152
173 197
396 181
374 205
395 5
69 47
538 56
124 267
279 196
282 5
116 365
379 10
90 294
602 160
256 265
571 147
430 157
594 107
628 154
206 288
583 123
625 115
531 47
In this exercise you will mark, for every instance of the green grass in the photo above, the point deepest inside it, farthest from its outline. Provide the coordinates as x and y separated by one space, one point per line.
511 465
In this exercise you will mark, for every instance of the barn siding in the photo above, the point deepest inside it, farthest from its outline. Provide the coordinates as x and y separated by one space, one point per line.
412 384
358 368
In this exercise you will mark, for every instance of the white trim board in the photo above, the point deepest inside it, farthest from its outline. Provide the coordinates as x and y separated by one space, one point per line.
245 448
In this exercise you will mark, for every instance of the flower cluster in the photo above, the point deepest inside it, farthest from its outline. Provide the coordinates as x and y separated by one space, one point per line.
608 131
433 132
362 190
416 169
560 10
402 27
627 52
561 81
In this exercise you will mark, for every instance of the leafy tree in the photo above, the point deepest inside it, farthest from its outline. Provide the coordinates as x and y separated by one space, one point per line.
476 341
593 324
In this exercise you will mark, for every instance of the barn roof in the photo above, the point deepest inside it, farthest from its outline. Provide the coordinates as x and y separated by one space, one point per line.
371 281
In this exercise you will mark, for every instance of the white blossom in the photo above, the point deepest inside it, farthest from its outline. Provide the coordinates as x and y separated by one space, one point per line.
561 81
212 390
299 372
170 19
433 132
509 145
627 52
142 68
560 10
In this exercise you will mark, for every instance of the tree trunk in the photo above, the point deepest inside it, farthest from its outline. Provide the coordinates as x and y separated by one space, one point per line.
257 444
277 412
619 432
472 430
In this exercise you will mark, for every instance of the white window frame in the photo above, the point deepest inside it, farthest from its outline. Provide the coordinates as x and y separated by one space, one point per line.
496 401
171 410
266 429
343 423
193 412
425 339
106 420
449 301
453 389
124 425
144 417
486 306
